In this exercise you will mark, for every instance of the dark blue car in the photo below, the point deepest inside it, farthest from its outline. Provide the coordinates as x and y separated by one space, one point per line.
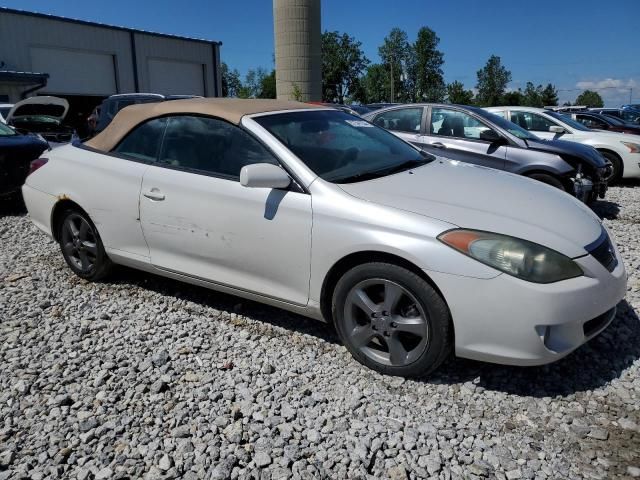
17 151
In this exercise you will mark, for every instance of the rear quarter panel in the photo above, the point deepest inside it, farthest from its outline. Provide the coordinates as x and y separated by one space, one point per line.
106 187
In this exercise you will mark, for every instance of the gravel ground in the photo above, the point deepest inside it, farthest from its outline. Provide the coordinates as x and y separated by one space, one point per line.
143 377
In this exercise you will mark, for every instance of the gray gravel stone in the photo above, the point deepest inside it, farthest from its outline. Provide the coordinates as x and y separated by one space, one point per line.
142 377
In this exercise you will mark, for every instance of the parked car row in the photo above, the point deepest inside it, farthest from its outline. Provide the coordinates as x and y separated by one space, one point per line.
623 151
410 255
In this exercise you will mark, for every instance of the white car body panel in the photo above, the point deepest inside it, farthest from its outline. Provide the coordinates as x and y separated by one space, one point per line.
598 139
278 247
109 192
216 229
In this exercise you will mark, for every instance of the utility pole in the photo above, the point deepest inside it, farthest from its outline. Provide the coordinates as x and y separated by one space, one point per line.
630 94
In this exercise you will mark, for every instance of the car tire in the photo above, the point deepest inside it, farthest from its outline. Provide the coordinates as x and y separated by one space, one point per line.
616 163
392 320
82 247
549 180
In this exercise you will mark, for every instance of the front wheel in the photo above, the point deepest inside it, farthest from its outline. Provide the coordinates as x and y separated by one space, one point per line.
81 246
616 165
392 320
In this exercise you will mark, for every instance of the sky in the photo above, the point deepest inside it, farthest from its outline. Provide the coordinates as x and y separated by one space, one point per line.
574 44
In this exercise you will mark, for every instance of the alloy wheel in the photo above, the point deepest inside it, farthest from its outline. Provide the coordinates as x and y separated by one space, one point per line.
386 322
79 242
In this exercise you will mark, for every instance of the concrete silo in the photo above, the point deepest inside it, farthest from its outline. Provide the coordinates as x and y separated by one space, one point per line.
298 52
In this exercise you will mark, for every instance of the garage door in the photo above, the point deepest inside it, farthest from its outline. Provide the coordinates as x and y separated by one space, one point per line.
170 77
75 72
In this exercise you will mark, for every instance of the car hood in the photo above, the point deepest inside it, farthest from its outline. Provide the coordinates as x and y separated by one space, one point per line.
475 197
607 136
53 107
561 147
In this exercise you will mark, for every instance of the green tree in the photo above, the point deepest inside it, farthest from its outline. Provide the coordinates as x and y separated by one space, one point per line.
492 82
458 95
343 62
532 96
513 97
427 67
375 84
395 53
231 82
258 84
549 95
590 99
268 86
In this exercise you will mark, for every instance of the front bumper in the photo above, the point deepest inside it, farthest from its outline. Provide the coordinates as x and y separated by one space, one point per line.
510 321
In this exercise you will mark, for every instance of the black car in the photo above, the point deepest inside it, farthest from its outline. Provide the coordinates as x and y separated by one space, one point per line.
17 151
597 121
473 135
625 114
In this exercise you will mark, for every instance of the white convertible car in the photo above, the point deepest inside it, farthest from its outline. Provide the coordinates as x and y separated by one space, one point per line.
621 149
322 213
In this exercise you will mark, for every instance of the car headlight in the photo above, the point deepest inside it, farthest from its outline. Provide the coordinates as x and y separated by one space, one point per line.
514 256
633 147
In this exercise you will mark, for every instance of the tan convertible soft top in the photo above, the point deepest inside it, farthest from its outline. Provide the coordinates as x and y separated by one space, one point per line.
230 109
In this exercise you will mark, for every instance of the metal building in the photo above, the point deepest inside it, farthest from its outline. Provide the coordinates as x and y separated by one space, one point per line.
298 49
86 61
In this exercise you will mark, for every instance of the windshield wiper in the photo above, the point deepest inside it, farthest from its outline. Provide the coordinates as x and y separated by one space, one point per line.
383 172
409 164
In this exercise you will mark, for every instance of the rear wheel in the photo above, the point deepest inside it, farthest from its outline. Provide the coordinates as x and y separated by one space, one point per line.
616 163
392 320
549 180
81 246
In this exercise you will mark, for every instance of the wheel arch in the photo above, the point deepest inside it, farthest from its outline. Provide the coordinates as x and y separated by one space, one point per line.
358 258
561 178
56 214
615 154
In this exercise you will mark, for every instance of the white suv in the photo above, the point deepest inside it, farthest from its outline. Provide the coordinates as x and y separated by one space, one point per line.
621 149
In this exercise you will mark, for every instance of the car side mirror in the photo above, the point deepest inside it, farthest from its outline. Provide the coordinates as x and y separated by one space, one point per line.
264 175
556 129
490 136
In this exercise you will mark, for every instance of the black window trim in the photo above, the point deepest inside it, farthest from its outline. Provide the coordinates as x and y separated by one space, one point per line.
296 185
403 107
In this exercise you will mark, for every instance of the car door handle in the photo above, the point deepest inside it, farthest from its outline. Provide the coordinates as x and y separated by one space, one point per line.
154 194
438 145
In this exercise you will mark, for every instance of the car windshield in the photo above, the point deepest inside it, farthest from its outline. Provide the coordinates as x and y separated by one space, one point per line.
340 148
568 120
505 124
6 131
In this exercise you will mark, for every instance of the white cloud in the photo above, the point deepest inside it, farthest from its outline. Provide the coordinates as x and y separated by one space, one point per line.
614 91
608 83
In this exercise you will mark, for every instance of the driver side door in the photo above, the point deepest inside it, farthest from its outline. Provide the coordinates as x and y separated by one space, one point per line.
199 221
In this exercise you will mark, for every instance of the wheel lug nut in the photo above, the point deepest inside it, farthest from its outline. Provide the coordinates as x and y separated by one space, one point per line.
386 334
394 324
